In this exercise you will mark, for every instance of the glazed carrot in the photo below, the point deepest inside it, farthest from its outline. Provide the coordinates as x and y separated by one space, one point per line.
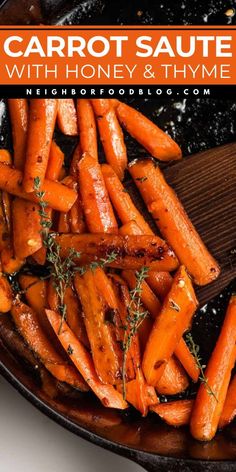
27 323
139 394
10 263
87 128
18 109
58 196
160 283
76 217
153 139
229 409
173 320
173 222
55 162
5 157
77 154
5 220
63 223
130 252
66 116
173 380
35 291
103 345
210 398
26 228
187 360
83 361
111 135
97 207
5 294
122 201
147 296
174 413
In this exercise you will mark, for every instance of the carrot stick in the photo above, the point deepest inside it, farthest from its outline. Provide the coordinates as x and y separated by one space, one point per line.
18 109
173 222
77 154
5 220
174 318
111 135
76 217
173 380
27 323
35 292
210 398
83 362
26 228
63 223
95 200
229 409
104 348
160 283
174 413
121 200
187 360
10 263
153 139
55 162
5 294
58 196
42 117
87 127
130 252
66 116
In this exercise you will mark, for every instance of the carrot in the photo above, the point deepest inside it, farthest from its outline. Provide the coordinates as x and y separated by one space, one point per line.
27 323
42 117
5 157
26 228
173 222
58 196
229 409
153 139
130 252
174 318
76 217
210 398
77 154
5 294
63 223
66 116
174 413
187 360
160 283
35 291
87 128
122 201
111 135
10 263
147 296
55 162
5 220
139 394
97 207
173 380
83 362
18 109
104 348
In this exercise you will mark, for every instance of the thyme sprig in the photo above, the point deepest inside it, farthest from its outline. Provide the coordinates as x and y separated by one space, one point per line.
194 349
135 316
103 262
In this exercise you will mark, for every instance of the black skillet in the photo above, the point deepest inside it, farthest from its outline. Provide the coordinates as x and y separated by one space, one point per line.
197 125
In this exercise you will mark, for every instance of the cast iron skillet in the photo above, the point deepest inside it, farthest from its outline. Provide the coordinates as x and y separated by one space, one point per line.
196 124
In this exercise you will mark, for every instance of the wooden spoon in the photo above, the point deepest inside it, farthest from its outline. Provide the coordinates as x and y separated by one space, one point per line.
206 185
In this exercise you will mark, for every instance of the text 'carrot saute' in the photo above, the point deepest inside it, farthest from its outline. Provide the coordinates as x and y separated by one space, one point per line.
88 290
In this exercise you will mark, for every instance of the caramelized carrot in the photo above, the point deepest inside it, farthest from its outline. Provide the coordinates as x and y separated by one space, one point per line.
58 196
5 157
173 222
66 116
160 283
26 228
229 409
173 380
5 220
83 362
174 413
210 398
87 127
10 263
104 348
76 217
27 323
55 162
5 294
174 318
139 394
18 109
111 135
187 360
153 139
63 223
77 154
95 200
42 117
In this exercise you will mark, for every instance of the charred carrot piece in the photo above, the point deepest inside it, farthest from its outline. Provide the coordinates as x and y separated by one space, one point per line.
210 398
5 220
27 323
55 162
104 349
76 217
95 200
111 135
187 360
26 228
83 362
174 413
87 127
173 222
153 139
77 154
229 409
18 109
58 196
5 293
10 263
42 118
173 320
67 117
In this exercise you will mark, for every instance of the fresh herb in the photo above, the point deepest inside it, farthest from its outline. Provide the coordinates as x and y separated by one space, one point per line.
141 179
174 306
194 349
103 262
134 319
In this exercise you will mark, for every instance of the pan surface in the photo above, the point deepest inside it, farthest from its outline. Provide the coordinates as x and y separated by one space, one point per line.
196 124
